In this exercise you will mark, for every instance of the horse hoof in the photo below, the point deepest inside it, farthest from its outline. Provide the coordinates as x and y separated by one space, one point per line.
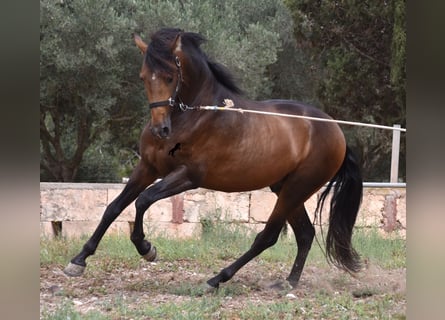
73 270
207 288
280 285
151 254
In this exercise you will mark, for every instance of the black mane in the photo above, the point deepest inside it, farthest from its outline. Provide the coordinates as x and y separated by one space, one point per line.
159 55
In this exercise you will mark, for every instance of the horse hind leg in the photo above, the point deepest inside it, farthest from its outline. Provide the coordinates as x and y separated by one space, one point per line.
304 234
292 192
265 239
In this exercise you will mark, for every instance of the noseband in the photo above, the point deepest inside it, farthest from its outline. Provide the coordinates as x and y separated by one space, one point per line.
172 100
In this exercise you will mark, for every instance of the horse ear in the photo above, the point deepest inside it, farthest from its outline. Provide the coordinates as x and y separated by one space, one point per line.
140 43
177 44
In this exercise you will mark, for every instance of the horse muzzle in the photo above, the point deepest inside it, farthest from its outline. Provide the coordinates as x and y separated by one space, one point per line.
162 131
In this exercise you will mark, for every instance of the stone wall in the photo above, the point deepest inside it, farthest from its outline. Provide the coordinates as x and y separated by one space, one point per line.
75 209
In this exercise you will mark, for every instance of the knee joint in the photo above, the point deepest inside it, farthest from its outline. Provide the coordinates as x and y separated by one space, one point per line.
141 203
265 241
271 241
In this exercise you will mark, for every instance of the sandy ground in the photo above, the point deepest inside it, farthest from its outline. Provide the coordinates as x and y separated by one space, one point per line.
179 281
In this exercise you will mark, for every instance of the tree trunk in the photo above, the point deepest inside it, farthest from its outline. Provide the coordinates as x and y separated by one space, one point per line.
54 159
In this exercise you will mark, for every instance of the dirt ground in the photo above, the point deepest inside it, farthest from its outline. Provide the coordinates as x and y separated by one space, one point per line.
179 281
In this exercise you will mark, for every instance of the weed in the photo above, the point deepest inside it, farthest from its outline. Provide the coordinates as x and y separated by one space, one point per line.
388 252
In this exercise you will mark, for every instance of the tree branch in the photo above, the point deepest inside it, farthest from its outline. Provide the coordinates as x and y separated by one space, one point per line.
121 118
83 130
56 139
363 53
44 131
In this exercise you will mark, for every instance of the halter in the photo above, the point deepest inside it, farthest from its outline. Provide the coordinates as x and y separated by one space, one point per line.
172 100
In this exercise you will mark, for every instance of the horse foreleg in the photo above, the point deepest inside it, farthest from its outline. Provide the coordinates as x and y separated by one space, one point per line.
138 181
304 234
176 182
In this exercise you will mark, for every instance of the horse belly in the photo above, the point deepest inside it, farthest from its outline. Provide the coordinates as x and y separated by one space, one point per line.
239 184
248 174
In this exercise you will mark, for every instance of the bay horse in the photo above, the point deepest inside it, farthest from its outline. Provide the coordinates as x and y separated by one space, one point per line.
188 148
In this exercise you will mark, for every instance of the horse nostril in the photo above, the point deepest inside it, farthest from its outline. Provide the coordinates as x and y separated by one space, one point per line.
165 131
161 132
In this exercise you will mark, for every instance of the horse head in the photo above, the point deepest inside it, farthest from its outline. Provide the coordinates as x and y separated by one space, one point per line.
161 73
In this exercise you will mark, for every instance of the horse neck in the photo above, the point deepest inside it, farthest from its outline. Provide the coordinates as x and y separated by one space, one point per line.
204 89
206 92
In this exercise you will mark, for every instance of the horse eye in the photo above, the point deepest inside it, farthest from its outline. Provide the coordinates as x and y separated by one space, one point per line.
169 79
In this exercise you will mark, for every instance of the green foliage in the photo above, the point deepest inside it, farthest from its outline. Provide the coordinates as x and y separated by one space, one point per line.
91 100
347 57
244 36
293 75
359 50
86 78
398 52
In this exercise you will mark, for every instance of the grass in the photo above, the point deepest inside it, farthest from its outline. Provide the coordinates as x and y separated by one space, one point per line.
223 241
388 252
67 311
323 307
220 244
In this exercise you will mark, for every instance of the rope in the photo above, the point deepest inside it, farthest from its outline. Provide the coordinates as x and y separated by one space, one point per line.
229 106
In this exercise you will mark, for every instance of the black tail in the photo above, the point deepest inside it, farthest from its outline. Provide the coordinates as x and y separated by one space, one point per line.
345 203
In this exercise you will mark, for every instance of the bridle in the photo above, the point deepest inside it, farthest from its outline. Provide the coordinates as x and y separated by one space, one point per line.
172 100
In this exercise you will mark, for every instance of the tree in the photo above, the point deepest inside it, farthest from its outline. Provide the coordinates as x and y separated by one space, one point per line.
86 85
246 36
91 100
358 51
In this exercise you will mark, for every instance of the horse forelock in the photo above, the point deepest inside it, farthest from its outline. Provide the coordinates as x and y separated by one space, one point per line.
159 54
